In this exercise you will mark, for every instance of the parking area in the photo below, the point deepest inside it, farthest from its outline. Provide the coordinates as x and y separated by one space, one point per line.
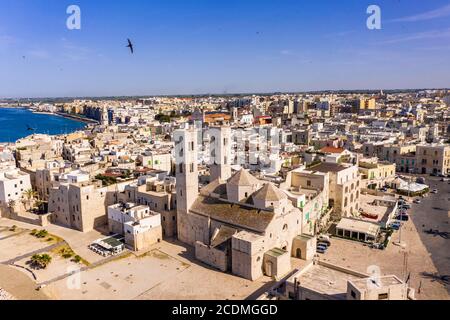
426 255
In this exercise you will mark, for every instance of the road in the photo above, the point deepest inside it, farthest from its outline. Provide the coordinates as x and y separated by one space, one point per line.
433 213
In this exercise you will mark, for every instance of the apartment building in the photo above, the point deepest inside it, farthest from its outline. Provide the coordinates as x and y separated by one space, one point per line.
308 191
345 187
433 158
375 174
156 160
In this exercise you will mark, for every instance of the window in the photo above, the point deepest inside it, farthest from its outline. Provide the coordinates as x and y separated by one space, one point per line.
308 183
353 294
383 296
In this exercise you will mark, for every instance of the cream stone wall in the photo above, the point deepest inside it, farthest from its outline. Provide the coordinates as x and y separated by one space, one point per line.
144 240
211 256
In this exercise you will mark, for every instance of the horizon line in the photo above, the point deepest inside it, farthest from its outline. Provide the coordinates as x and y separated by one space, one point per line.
223 94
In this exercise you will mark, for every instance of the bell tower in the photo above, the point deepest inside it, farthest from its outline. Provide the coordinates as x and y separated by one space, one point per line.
186 161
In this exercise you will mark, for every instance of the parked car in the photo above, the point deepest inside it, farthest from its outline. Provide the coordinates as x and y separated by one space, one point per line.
384 189
321 250
417 201
395 225
405 206
402 217
323 238
434 191
323 244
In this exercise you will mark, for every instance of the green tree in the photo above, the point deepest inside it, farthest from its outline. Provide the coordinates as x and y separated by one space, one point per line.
41 260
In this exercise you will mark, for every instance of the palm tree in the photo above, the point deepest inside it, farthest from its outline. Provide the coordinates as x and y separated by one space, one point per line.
29 194
41 260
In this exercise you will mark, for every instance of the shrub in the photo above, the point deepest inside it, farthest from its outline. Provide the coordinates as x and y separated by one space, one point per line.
41 234
66 253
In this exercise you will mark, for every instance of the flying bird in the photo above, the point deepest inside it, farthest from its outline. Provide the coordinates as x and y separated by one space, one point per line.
130 45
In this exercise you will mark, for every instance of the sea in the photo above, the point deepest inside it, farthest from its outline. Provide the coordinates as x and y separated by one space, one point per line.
17 123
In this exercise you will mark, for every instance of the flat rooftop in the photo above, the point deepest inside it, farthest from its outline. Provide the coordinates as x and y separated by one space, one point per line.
360 226
384 281
324 280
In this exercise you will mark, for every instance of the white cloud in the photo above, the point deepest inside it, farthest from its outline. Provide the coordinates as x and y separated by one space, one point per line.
429 15
433 34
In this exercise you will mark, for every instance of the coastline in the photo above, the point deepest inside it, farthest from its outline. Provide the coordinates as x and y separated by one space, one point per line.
9 135
73 117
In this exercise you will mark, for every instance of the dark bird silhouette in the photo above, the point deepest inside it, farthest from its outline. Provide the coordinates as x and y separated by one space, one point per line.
130 45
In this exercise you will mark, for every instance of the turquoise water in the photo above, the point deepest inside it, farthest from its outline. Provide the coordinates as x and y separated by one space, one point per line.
14 124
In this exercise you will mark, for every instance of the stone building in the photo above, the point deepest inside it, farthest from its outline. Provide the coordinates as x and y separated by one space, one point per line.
243 225
82 206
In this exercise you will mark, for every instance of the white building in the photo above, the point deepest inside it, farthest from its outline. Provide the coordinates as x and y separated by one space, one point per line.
13 183
140 226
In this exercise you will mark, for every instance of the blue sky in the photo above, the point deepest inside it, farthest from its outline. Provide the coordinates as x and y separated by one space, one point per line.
211 46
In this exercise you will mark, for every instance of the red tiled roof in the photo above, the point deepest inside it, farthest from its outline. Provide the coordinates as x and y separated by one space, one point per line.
332 150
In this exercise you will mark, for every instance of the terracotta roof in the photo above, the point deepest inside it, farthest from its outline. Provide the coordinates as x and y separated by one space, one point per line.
332 150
